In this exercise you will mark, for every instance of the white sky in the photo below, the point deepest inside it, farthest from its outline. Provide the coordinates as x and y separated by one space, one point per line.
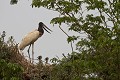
18 20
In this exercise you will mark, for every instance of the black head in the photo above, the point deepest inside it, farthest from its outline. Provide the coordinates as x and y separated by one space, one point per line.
43 27
41 24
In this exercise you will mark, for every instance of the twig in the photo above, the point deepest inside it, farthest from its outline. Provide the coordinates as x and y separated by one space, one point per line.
67 36
63 31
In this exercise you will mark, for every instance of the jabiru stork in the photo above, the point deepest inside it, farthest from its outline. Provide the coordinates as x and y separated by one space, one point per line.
31 37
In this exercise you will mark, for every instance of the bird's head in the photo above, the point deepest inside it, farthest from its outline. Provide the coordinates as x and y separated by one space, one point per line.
44 27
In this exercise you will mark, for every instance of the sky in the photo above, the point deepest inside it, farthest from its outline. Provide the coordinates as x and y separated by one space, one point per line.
20 19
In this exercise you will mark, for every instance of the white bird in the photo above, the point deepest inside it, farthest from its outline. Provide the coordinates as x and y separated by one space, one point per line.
31 37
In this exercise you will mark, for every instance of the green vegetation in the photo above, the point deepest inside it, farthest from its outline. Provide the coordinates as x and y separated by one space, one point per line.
9 70
98 55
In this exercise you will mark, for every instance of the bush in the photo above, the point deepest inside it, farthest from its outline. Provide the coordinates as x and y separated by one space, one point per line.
8 69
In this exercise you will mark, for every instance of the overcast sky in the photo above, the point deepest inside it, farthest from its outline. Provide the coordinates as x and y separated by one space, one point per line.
18 20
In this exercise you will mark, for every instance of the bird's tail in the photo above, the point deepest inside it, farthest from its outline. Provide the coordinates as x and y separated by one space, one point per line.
20 51
20 47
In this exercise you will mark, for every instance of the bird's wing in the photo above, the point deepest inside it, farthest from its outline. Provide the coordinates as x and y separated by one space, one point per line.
29 39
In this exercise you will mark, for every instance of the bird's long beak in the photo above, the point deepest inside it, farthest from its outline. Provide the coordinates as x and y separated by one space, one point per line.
45 27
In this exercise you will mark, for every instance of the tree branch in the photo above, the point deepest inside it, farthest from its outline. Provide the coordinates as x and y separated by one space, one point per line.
67 36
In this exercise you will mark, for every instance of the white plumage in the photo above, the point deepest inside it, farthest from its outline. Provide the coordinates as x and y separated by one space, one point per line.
31 37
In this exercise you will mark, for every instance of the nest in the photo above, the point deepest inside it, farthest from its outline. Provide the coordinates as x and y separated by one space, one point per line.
13 55
31 70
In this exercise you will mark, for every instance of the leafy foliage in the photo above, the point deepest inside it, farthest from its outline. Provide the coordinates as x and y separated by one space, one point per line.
98 55
12 2
8 69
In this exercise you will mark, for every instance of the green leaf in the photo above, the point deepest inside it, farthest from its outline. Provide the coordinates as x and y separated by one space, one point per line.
72 38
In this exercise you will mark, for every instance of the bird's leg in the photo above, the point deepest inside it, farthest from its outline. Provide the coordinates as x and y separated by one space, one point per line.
29 53
32 52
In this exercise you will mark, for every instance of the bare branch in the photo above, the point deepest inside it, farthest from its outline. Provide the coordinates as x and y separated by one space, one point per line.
67 36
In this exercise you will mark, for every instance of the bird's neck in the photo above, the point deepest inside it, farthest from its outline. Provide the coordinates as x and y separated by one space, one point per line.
41 30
